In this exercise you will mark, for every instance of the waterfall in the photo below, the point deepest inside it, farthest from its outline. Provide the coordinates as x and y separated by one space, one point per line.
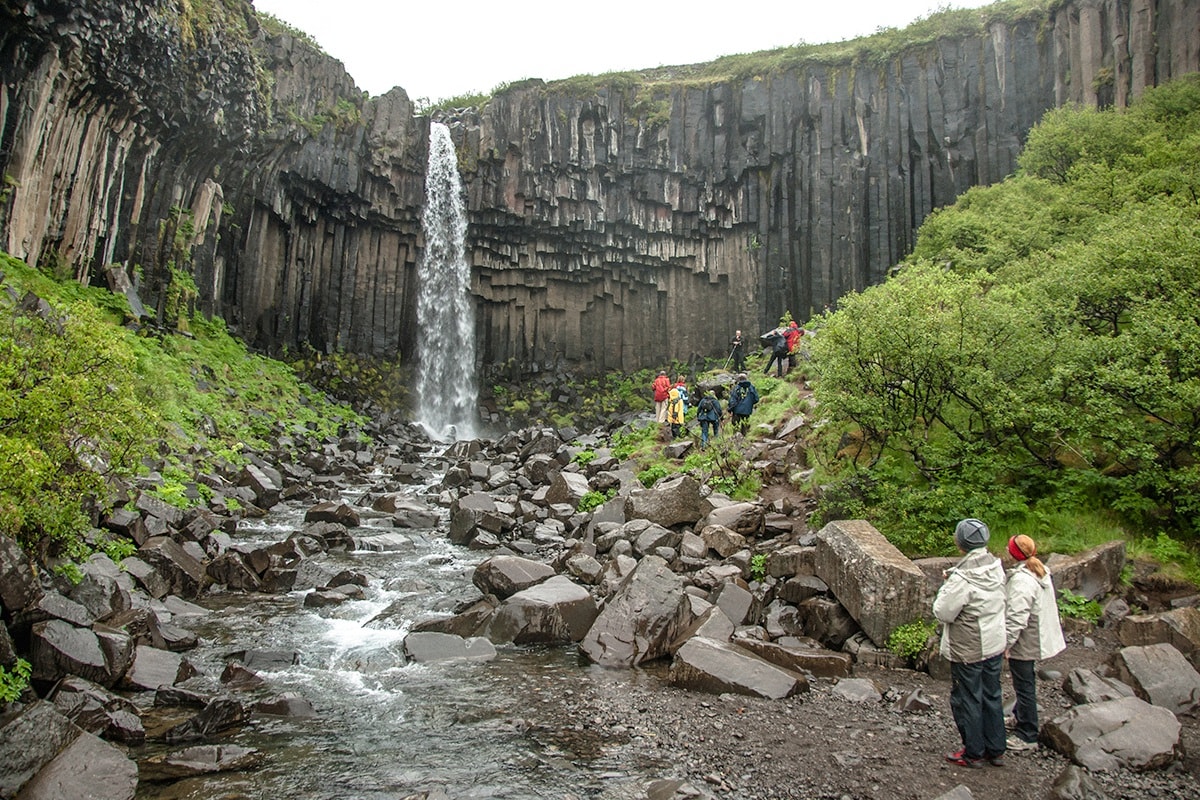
446 391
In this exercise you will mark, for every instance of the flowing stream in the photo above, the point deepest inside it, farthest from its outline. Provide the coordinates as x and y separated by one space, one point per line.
384 728
446 388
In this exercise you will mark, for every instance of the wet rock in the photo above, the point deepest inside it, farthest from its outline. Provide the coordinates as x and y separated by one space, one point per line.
568 488
504 576
58 649
388 542
238 677
199 760
734 600
465 515
815 661
744 519
87 768
139 624
99 591
183 573
153 668
556 611
18 584
29 741
341 513
146 576
827 621
288 704
231 571
879 587
642 619
1127 733
52 605
97 710
264 481
721 540
271 660
437 647
1159 674
221 713
716 667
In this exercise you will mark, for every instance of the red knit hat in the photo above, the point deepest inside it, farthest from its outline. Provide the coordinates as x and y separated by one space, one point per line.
1016 552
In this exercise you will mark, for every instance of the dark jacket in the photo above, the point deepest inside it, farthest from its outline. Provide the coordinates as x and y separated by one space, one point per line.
742 399
709 409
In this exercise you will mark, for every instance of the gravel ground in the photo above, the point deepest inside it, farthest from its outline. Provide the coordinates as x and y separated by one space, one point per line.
817 745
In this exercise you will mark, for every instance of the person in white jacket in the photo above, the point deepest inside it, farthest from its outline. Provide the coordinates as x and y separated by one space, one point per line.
970 606
1032 633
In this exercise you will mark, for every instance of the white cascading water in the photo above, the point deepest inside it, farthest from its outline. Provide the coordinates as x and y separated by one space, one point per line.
446 390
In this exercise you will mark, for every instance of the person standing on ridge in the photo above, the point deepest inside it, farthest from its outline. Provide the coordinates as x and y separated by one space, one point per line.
737 352
741 403
661 387
1033 633
970 606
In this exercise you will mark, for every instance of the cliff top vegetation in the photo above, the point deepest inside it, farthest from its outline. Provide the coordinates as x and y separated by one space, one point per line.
1036 361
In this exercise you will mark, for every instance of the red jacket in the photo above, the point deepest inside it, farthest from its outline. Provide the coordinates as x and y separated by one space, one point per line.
662 387
793 338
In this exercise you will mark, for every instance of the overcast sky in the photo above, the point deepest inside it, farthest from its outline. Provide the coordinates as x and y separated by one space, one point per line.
438 49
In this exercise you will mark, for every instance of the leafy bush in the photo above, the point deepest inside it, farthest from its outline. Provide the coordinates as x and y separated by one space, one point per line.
651 474
1078 607
14 682
910 639
758 567
593 500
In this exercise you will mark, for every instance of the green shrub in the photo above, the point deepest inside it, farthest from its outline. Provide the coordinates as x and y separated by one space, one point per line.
758 567
14 682
1078 607
593 500
910 639
651 474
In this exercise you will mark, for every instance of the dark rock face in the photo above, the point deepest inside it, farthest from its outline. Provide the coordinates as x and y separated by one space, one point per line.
608 229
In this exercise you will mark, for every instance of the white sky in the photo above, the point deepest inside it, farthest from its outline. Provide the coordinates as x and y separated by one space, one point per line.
437 49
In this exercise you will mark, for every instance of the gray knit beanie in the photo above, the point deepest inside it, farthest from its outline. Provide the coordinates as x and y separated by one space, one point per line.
971 534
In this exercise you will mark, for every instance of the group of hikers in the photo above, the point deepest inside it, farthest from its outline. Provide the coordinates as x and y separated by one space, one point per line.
672 400
671 403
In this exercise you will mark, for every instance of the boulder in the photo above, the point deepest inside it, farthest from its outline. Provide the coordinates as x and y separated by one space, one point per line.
1075 783
717 667
87 769
288 704
153 668
744 519
430 647
556 611
97 710
100 591
1179 627
221 713
568 488
231 571
857 690
1159 674
202 759
797 589
827 621
879 587
504 576
642 619
146 576
184 574
1093 573
734 599
264 481
806 660
341 513
29 741
673 501
790 561
58 649
465 515
1126 733
722 540
1085 686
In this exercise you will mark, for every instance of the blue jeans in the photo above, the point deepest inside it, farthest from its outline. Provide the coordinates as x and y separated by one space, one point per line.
1024 678
704 426
977 702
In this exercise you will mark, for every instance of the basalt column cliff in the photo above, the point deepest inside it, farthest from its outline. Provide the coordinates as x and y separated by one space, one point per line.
619 225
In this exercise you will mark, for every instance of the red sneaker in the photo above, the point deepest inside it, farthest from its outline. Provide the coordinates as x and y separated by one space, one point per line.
959 758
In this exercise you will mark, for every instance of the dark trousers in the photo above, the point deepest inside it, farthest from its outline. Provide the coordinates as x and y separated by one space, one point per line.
705 426
739 361
1024 678
777 360
977 702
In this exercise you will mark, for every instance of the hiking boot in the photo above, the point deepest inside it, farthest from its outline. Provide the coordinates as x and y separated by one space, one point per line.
996 760
959 758
1018 745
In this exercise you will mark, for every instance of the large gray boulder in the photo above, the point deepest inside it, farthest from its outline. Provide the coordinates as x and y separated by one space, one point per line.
673 501
201 759
19 586
556 611
643 618
1086 686
788 652
504 576
1159 674
428 647
89 768
567 488
30 741
1179 627
58 649
880 587
722 540
98 711
717 667
745 519
1126 733
153 668
1093 573
184 574
466 513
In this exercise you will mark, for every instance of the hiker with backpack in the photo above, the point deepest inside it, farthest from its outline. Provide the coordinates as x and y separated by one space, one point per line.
778 344
741 403
708 412
675 409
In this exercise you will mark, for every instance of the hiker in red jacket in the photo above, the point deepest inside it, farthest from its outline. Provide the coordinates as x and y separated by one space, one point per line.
662 389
